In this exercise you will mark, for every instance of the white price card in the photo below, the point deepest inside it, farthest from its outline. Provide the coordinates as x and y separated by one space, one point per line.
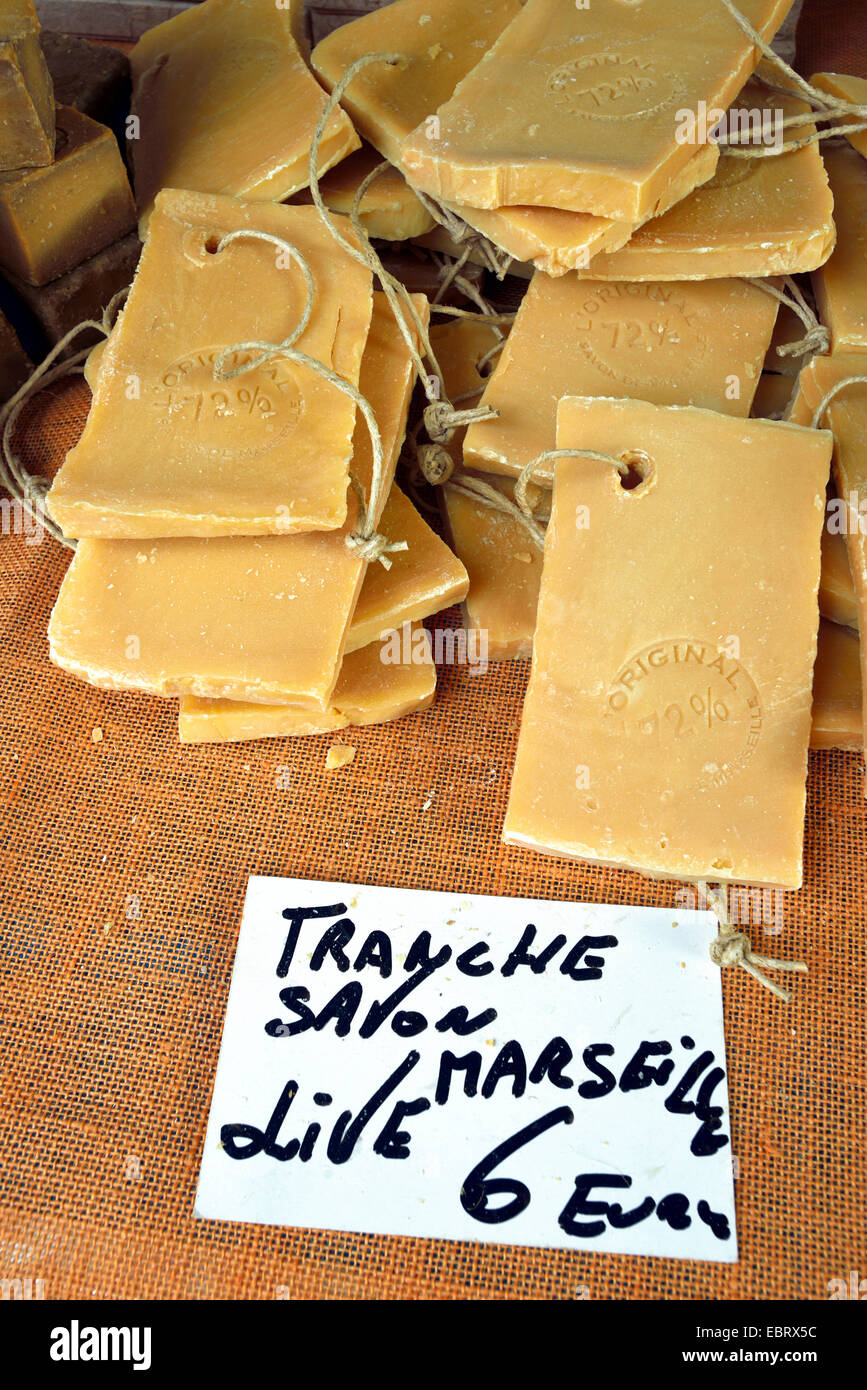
473 1068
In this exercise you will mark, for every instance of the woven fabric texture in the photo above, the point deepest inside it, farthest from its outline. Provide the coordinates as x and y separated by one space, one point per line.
124 865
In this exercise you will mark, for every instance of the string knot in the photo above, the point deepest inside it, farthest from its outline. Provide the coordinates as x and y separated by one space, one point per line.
818 340
439 421
374 546
730 949
436 464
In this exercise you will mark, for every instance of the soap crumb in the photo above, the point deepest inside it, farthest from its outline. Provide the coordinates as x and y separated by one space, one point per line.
339 755
435 50
524 556
424 19
106 928
532 130
96 734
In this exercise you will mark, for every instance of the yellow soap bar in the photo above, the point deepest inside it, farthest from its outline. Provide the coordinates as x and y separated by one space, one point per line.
466 350
389 208
837 696
852 89
754 217
772 397
666 724
423 579
504 567
170 451
840 285
227 104
440 41
837 601
577 107
695 343
26 91
262 619
53 218
369 691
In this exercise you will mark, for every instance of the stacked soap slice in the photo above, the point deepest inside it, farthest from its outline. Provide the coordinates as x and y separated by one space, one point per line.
213 517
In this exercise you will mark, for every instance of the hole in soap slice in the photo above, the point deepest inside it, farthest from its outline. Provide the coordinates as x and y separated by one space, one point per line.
212 243
639 469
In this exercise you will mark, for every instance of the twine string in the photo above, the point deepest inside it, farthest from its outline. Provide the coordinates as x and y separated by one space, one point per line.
733 947
832 394
27 489
817 338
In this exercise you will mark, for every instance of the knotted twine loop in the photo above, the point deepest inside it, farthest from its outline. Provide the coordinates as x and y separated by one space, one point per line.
733 947
27 489
465 236
825 106
407 318
817 338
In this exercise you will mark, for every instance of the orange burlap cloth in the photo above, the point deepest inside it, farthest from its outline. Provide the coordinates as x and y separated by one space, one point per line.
124 868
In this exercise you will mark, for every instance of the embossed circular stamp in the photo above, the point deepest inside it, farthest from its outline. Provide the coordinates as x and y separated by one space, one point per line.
243 417
611 86
693 702
631 330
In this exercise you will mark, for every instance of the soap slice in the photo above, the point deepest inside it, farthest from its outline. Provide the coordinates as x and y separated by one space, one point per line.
837 690
260 618
26 96
389 208
82 293
54 218
666 724
227 104
169 451
576 107
773 394
852 89
440 41
846 417
837 600
423 579
695 343
369 691
754 217
840 285
92 77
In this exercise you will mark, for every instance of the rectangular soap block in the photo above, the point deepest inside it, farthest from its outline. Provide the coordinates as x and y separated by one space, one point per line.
577 107
837 697
667 720
26 96
368 691
849 88
170 451
260 619
389 209
227 104
840 285
695 343
54 218
92 77
755 217
439 43
423 579
82 293
846 417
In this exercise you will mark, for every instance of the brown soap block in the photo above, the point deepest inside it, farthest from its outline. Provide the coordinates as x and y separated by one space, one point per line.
54 218
82 293
15 365
26 97
92 77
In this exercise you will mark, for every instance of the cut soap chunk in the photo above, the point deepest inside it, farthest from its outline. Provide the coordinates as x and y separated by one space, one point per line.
169 451
26 94
576 107
261 619
841 284
837 690
698 343
227 104
54 218
368 691
389 208
852 89
649 738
